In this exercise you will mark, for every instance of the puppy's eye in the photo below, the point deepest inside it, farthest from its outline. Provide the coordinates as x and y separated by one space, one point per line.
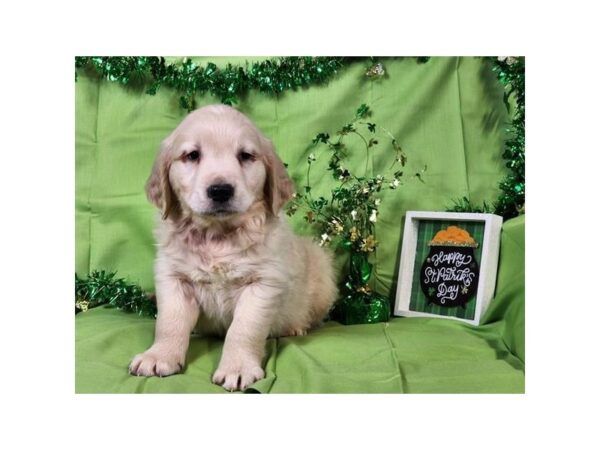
245 156
193 156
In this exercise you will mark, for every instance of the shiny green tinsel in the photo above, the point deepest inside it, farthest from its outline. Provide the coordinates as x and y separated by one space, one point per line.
102 288
511 74
272 76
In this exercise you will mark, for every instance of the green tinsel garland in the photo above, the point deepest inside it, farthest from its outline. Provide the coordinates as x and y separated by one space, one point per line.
229 84
511 74
102 288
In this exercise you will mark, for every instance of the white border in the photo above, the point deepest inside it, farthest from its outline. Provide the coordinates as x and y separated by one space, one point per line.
487 268
48 401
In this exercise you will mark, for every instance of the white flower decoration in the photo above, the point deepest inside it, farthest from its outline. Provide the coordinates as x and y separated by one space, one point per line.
353 213
510 60
373 216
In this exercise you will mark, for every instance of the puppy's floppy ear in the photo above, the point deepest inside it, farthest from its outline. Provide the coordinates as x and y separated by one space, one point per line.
279 187
158 186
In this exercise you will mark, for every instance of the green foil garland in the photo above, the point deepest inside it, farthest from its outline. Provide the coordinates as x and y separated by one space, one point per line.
230 83
511 74
103 288
511 202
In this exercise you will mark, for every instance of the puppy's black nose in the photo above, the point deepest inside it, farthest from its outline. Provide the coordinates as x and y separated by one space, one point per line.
220 192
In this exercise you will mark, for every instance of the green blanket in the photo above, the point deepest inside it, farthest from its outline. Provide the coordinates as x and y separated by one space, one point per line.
406 355
447 114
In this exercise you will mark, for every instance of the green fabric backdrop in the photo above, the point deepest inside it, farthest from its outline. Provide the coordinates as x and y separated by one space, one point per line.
448 115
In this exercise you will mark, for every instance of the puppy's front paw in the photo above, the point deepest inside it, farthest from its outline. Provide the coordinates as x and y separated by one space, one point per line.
237 375
155 363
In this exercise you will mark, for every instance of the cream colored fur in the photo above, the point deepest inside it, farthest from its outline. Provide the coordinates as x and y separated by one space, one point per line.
241 274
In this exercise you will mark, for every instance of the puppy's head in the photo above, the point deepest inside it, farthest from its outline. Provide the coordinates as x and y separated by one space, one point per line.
216 165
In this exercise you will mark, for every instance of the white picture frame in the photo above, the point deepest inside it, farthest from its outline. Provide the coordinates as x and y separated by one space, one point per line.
488 265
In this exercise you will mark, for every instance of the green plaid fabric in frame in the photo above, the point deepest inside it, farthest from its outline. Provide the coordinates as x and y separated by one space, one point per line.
427 230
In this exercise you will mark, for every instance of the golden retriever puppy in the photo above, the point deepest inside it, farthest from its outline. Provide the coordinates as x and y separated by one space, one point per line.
227 262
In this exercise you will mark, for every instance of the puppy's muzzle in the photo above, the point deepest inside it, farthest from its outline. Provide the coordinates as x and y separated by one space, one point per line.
220 193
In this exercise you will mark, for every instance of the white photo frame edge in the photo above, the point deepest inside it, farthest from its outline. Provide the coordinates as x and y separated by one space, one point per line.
488 266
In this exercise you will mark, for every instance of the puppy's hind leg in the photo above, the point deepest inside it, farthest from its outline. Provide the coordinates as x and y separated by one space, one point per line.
177 315
321 286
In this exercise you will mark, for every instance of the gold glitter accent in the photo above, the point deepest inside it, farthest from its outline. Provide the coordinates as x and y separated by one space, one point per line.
83 305
368 244
354 234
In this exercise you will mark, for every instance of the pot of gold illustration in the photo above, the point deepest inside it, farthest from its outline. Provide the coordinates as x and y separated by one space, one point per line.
450 273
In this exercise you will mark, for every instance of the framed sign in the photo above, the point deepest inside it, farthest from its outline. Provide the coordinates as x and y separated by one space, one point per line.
448 265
